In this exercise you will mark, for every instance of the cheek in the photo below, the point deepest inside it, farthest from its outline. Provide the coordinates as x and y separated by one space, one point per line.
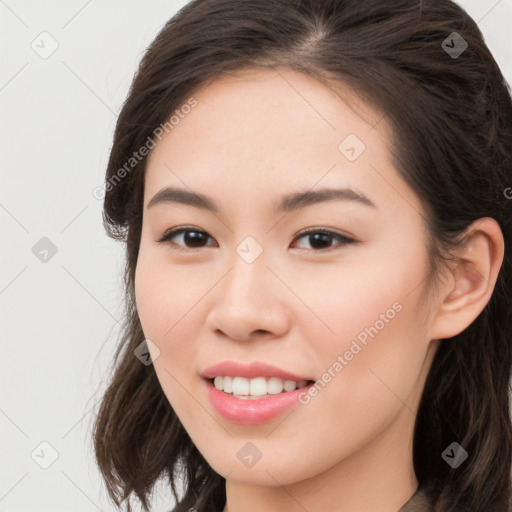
162 311
168 300
149 297
373 361
366 384
163 295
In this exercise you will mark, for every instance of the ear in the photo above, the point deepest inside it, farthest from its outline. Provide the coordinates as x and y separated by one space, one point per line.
472 278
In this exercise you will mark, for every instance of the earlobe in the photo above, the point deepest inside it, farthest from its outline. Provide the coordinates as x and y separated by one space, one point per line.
474 276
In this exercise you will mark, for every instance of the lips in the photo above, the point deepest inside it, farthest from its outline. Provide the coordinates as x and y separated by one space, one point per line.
251 371
252 412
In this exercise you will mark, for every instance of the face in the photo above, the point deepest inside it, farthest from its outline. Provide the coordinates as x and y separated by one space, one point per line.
342 306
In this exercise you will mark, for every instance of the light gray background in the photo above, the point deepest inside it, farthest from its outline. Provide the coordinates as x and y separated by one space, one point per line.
60 319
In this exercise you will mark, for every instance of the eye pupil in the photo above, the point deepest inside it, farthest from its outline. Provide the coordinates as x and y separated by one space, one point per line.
193 238
322 237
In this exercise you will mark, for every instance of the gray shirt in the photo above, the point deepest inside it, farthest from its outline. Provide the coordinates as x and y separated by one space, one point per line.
418 502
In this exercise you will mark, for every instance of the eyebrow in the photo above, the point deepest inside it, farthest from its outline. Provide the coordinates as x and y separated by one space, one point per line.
288 203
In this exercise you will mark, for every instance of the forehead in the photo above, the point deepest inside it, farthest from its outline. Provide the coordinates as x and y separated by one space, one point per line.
257 131
277 105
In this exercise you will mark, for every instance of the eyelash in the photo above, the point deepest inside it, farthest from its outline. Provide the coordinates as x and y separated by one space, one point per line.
166 238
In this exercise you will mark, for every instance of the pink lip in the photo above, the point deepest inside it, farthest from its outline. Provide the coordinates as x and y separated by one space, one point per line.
250 371
252 412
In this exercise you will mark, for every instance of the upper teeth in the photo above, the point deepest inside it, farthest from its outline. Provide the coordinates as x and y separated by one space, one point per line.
258 386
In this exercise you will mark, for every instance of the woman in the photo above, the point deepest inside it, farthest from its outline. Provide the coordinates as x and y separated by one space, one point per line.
370 373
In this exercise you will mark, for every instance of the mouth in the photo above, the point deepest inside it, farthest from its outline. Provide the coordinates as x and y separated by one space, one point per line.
242 407
256 388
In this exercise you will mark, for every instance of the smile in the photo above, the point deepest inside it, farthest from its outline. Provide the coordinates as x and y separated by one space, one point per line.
249 409
241 387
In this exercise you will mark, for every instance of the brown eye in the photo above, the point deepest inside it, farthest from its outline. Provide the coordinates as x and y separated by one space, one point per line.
320 240
192 238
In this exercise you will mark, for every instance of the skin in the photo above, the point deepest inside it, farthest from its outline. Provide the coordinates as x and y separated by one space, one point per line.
253 137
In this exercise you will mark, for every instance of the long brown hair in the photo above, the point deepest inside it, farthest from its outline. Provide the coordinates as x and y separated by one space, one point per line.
451 114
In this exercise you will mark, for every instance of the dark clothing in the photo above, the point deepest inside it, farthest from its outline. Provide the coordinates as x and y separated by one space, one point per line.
418 502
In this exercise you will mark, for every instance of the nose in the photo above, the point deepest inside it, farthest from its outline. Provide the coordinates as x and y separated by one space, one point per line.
250 301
